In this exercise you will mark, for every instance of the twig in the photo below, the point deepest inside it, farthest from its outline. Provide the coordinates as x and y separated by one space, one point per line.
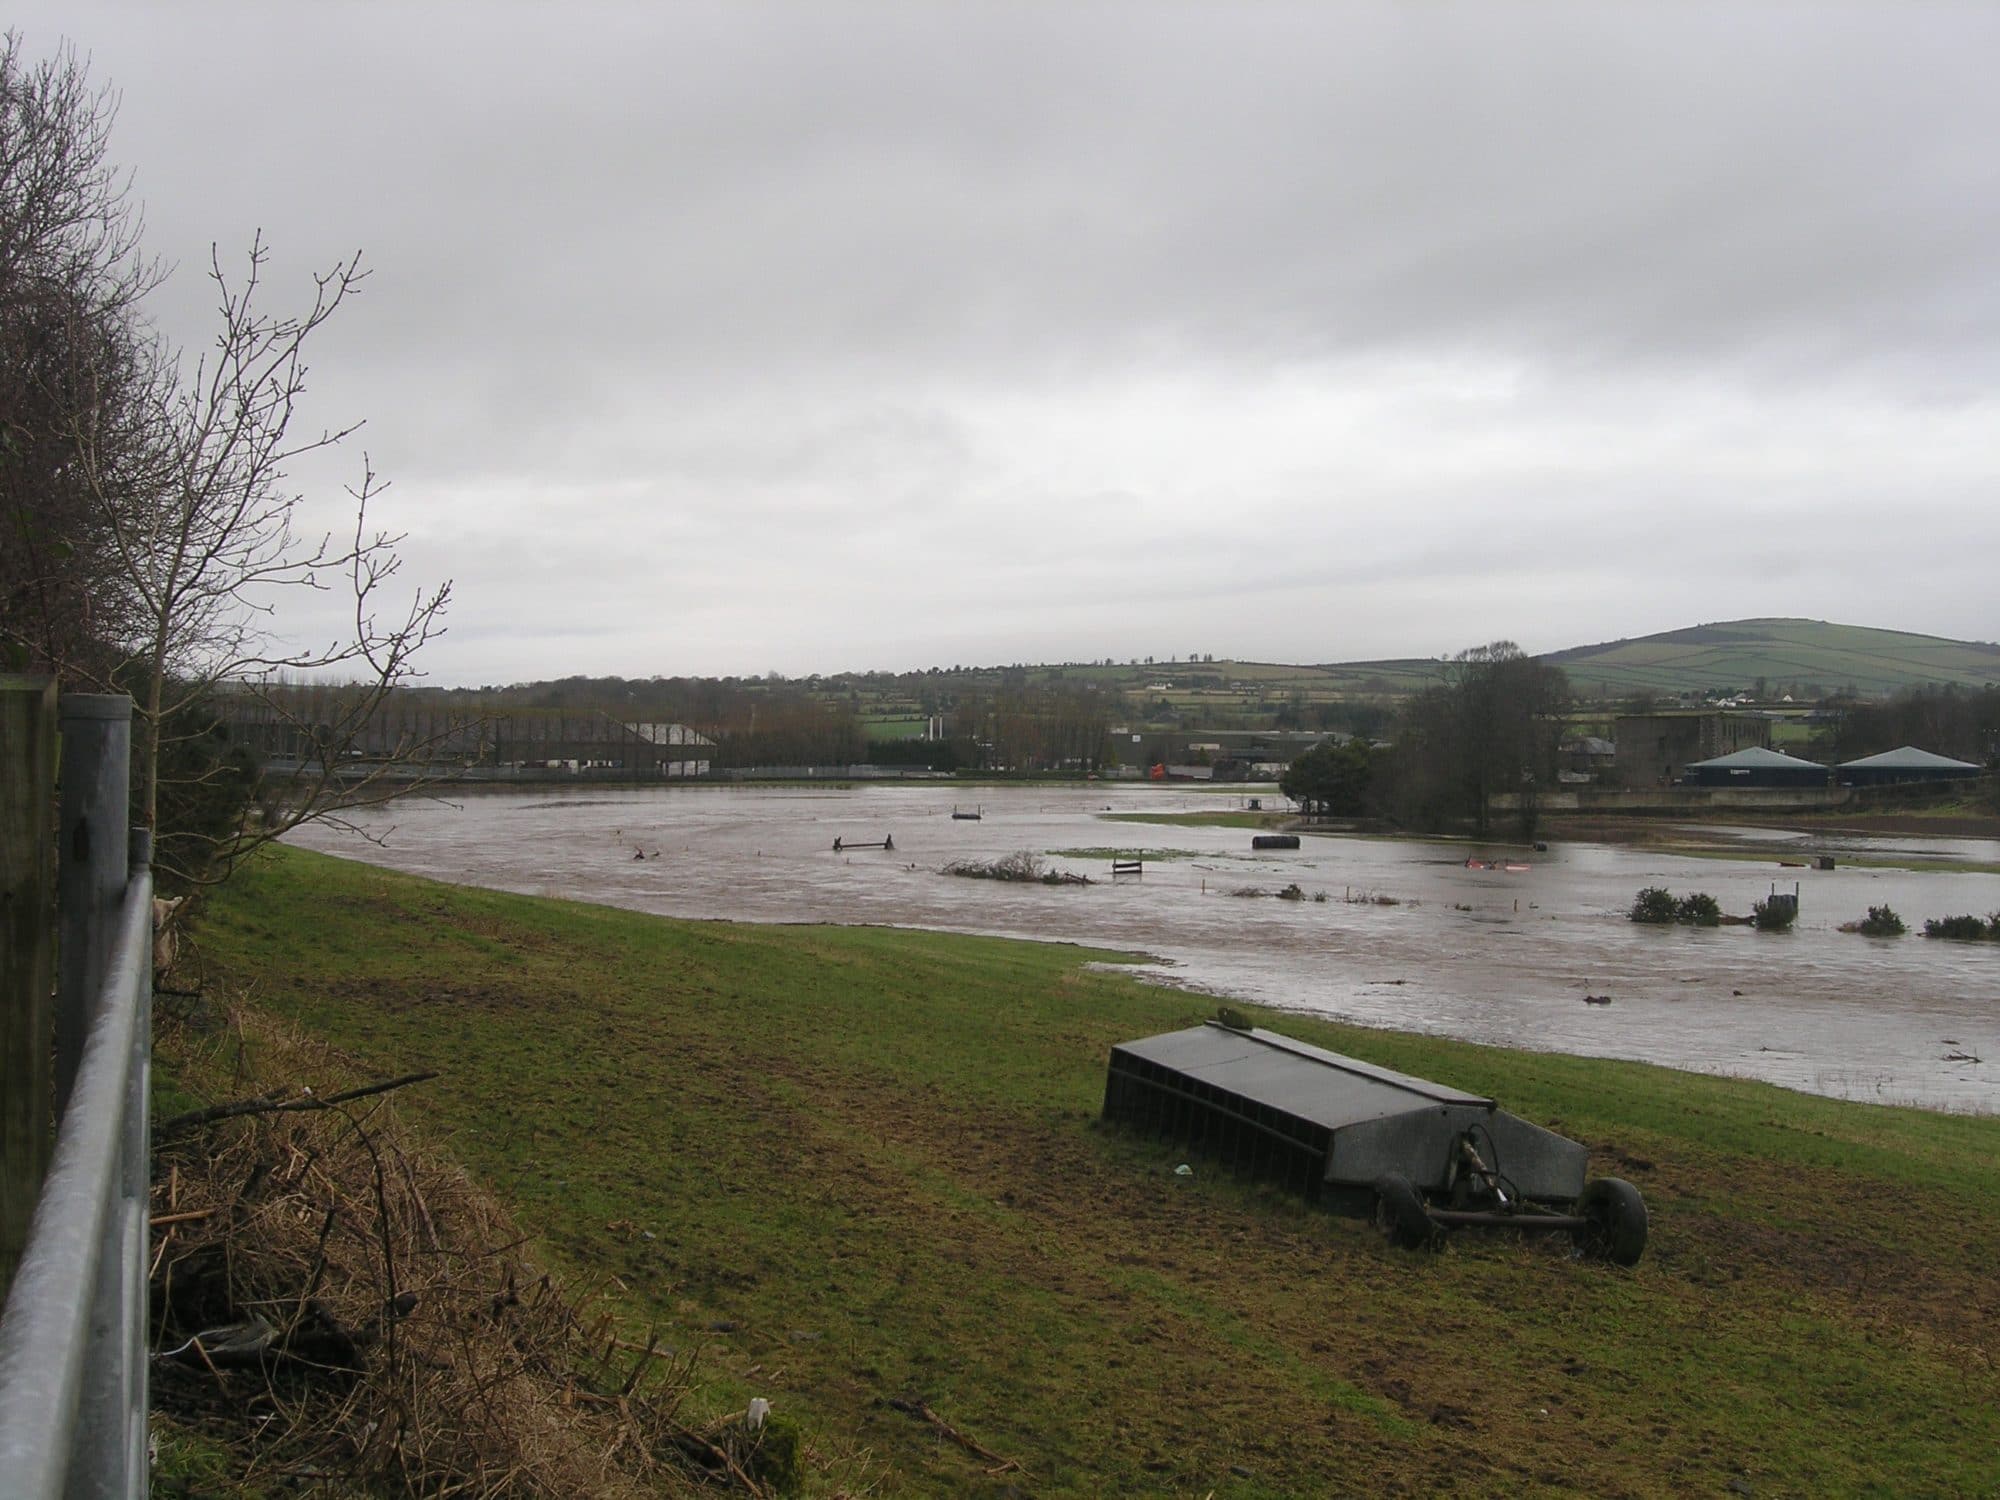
638 1365
650 1348
265 1105
417 1200
384 1230
318 1266
922 1411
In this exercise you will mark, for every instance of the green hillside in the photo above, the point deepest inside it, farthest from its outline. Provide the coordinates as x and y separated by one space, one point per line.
1770 658
1807 658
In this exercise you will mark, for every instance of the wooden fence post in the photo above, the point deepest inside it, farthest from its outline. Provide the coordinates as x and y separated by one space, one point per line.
27 951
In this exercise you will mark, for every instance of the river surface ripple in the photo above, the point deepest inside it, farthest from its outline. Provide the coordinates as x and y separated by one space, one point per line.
1488 955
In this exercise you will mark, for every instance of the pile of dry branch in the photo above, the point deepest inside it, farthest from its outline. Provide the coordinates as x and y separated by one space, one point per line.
1023 865
339 1308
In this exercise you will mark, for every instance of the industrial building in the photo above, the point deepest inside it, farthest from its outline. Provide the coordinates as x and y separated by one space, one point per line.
1904 764
1757 767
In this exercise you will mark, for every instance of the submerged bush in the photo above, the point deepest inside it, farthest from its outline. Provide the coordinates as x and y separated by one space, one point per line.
1370 898
1881 922
1967 929
1656 904
1700 909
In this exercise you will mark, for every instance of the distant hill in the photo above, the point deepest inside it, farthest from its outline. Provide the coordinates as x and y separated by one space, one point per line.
1808 658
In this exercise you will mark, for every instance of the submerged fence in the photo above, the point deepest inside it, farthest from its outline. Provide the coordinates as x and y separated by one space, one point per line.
73 1336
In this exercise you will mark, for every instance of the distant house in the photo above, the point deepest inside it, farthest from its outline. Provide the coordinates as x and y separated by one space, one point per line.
1904 764
1653 749
1756 767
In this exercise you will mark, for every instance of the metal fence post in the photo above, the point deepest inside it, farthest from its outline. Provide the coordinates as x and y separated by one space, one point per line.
91 855
73 1377
27 951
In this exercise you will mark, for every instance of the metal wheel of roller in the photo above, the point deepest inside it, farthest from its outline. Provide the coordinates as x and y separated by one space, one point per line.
1399 1213
1617 1215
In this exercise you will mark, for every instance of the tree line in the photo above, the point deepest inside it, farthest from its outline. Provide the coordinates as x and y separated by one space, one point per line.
1495 721
1003 721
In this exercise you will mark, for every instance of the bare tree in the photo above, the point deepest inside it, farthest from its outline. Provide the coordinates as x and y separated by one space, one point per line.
218 542
76 364
149 526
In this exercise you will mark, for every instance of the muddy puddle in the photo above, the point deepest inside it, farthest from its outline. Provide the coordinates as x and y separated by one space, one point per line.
1406 935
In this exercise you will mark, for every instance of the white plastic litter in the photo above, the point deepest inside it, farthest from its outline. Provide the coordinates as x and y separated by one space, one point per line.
759 1409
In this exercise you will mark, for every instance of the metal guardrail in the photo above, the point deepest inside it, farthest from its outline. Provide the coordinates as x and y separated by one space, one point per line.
73 1414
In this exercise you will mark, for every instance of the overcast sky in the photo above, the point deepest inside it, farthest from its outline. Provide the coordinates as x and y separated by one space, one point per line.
734 338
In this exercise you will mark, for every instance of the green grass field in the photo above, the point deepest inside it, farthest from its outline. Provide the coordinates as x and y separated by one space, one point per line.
871 1167
905 727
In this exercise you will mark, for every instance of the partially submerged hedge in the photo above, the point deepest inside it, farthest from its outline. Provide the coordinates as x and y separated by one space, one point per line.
1967 929
1656 904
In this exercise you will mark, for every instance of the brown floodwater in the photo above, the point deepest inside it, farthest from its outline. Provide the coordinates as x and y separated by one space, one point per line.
1392 932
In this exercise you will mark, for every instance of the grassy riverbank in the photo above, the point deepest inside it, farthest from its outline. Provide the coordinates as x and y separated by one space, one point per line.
857 1166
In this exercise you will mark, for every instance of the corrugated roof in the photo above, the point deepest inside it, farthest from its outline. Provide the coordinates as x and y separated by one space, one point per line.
1294 1076
1907 758
1756 758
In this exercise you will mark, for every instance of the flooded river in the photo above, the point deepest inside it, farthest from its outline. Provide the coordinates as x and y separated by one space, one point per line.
1407 936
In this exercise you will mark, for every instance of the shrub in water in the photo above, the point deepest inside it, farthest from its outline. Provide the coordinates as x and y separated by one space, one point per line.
1700 909
1882 922
1966 929
1655 904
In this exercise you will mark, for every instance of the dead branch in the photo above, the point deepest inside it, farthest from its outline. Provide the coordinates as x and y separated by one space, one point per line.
921 1410
265 1104
701 1447
410 1349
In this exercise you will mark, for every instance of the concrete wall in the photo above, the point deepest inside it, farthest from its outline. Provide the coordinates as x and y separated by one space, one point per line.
1694 800
1684 799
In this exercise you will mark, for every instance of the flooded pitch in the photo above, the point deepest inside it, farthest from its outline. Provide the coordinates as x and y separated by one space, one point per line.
1407 935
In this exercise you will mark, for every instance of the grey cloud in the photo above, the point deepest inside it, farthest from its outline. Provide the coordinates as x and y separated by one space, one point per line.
1094 325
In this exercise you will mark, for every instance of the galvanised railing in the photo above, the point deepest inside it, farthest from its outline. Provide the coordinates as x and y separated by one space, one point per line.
73 1337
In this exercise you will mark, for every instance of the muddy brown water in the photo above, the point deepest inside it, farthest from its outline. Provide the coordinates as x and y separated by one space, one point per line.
1503 956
